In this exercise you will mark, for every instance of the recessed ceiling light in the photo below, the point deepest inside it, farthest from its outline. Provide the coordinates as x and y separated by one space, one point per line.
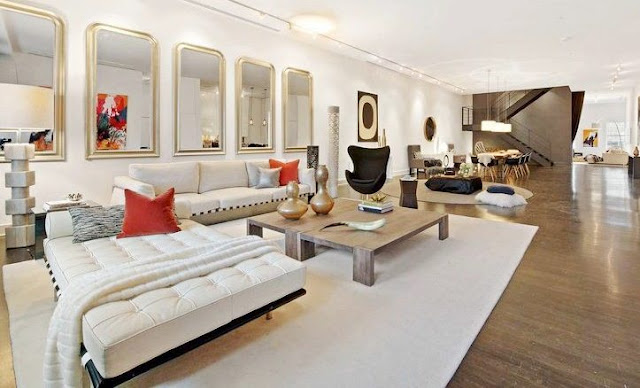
313 24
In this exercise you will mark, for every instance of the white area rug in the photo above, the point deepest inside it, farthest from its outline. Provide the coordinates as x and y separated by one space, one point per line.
425 195
411 329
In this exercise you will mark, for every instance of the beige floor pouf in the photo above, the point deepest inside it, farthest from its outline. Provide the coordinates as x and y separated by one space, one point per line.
22 233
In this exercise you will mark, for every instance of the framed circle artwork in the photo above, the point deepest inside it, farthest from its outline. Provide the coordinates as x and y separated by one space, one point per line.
367 117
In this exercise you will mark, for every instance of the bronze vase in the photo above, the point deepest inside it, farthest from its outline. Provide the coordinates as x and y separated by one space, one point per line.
322 203
293 207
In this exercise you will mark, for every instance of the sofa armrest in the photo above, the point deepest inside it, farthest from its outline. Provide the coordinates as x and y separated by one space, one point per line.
125 182
58 224
307 177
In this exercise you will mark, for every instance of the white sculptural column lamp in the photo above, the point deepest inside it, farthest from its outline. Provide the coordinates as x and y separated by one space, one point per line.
24 109
22 232
334 149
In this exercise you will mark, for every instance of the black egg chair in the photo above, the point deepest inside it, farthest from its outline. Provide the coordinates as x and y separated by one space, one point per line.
369 168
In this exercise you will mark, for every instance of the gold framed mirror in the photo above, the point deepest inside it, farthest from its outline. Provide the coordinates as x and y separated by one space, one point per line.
32 79
297 109
199 94
429 128
255 106
122 93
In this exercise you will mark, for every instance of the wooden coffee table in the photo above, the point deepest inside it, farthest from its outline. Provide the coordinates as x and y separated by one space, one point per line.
302 236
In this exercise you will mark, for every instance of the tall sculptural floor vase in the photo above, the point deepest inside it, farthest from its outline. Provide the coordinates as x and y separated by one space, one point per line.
22 232
322 203
334 149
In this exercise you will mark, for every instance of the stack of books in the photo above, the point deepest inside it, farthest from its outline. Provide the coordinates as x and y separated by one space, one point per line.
375 207
62 205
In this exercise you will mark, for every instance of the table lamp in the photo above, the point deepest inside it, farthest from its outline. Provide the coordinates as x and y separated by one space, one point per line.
26 109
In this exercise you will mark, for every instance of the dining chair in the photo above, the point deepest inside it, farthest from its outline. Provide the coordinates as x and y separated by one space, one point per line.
479 148
490 167
527 158
511 167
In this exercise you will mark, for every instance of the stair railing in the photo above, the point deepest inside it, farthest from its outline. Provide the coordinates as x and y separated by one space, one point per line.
531 138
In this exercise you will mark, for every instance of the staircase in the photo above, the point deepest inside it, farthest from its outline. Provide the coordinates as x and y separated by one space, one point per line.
505 106
508 104
526 140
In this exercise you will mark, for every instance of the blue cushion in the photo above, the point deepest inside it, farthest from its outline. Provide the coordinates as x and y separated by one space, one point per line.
501 190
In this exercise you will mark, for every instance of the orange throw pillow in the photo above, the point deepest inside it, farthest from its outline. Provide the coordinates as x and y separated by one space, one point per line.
289 170
144 216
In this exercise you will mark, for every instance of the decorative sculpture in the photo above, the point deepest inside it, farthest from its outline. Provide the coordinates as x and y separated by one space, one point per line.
22 233
334 149
322 203
368 226
293 207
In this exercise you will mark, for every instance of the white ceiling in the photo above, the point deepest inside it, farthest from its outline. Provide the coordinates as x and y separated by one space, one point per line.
526 44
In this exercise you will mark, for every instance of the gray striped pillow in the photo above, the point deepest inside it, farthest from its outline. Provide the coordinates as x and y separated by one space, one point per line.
96 222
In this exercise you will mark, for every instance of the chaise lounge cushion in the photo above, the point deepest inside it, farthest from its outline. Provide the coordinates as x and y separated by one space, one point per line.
222 174
239 196
182 176
122 335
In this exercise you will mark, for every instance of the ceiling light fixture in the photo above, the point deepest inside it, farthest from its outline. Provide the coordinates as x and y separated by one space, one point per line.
488 125
312 24
270 20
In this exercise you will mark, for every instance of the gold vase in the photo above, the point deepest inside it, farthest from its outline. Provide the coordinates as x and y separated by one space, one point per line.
293 207
636 152
322 203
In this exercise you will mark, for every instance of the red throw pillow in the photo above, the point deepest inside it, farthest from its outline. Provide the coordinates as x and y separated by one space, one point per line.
289 170
144 216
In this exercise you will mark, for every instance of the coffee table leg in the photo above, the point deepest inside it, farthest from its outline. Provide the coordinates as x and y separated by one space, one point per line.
254 230
363 271
443 227
291 244
307 249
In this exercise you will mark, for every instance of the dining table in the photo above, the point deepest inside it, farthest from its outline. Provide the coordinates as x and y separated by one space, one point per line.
501 156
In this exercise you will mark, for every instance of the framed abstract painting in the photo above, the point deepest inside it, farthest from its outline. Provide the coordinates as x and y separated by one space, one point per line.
111 121
590 137
367 117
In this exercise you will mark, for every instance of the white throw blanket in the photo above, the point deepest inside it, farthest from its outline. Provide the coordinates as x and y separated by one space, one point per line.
485 158
62 366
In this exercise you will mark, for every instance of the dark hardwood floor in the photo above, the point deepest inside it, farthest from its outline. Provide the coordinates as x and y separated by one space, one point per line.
571 313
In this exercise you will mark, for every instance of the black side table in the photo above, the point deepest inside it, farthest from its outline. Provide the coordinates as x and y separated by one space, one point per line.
634 167
408 196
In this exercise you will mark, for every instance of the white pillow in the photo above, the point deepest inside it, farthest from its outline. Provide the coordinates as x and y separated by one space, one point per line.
502 200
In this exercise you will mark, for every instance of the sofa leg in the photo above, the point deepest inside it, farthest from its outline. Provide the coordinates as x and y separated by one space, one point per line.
269 315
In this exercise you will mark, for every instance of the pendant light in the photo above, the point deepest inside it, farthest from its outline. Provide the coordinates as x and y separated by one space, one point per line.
504 127
251 106
488 125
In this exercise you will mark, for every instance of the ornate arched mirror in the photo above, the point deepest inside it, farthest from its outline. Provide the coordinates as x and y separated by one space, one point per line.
429 128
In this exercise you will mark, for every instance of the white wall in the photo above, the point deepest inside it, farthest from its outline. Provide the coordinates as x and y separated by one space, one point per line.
599 112
404 103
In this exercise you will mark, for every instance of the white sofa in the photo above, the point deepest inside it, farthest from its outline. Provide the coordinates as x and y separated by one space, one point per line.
211 191
615 157
121 336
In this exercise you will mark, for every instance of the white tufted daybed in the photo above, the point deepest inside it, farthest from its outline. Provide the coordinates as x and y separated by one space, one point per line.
209 191
126 338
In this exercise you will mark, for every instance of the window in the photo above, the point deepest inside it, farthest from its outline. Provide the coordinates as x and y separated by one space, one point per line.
617 135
